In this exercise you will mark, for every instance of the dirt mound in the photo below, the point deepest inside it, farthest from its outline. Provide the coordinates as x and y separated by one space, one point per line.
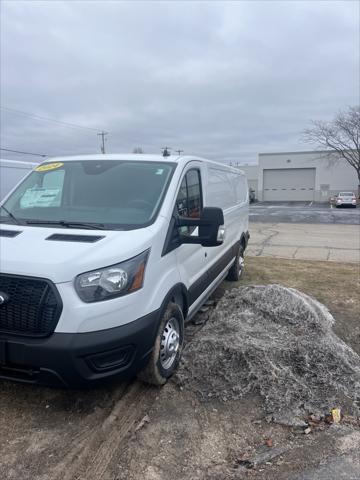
278 342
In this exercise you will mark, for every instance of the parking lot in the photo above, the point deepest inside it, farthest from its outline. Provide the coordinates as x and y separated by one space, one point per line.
304 231
303 212
305 241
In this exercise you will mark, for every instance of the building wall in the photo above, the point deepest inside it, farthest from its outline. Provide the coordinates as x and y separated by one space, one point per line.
252 174
332 174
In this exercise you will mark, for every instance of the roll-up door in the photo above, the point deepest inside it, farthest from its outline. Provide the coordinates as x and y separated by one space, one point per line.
289 184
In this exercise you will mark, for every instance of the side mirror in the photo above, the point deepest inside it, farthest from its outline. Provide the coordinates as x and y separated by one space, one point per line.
210 220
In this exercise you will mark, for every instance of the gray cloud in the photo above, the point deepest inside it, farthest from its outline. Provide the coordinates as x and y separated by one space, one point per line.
224 80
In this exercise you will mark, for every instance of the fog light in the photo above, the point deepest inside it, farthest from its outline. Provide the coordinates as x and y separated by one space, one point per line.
112 359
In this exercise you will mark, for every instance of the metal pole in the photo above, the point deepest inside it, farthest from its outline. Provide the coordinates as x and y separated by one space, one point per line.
102 135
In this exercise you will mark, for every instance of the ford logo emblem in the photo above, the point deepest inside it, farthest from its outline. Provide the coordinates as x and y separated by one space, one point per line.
3 298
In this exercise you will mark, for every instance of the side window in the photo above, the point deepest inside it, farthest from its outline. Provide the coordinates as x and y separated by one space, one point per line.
189 201
194 193
181 201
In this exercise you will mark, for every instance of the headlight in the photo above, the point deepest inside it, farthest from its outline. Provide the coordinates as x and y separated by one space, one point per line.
105 283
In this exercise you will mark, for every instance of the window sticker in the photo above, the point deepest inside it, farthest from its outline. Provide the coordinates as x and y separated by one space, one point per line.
40 197
159 171
48 166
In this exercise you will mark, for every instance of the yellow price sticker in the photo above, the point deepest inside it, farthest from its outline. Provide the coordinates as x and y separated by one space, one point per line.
48 166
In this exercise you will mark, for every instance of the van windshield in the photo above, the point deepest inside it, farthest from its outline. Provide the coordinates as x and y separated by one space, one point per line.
109 193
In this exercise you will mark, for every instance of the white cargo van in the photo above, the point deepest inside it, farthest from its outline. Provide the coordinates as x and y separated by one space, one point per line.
11 172
103 258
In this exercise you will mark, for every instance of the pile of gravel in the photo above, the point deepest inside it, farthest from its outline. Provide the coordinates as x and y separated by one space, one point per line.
278 342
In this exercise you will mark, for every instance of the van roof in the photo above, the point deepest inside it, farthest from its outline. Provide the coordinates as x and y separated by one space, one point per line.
115 156
139 157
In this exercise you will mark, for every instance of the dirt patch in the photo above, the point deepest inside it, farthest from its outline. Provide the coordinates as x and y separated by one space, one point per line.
49 434
53 434
278 342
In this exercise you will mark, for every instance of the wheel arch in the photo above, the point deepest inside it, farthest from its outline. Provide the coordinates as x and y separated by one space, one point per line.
244 239
179 295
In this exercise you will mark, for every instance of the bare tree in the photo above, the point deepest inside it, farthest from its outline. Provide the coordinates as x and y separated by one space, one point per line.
341 135
138 150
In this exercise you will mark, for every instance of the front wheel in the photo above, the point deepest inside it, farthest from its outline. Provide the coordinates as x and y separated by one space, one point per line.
237 269
167 350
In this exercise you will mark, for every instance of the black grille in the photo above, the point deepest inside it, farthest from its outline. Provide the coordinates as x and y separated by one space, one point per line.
32 306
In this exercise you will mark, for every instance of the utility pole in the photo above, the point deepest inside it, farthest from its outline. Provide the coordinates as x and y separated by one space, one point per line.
102 135
179 152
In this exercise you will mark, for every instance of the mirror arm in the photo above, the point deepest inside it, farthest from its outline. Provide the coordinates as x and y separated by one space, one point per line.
191 239
190 222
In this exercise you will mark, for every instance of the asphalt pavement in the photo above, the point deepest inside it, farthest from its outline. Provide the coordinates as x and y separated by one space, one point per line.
301 241
303 212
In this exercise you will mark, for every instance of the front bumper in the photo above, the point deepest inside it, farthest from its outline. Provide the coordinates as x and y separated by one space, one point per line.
79 359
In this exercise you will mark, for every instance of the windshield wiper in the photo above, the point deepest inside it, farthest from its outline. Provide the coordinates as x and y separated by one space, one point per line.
63 223
10 215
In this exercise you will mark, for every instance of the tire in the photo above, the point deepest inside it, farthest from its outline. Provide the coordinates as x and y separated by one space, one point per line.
237 269
170 336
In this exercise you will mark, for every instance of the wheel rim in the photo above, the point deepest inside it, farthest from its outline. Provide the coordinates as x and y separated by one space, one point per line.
170 343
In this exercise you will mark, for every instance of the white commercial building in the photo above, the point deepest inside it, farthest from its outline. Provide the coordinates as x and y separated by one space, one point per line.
300 176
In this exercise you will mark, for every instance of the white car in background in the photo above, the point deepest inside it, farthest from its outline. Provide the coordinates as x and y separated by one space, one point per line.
11 172
347 199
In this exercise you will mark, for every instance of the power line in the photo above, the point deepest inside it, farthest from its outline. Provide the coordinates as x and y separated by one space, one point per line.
24 153
47 119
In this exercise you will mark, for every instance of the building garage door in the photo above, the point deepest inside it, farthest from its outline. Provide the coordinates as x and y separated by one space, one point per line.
289 184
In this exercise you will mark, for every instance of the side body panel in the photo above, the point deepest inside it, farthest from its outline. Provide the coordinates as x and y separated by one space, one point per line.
200 267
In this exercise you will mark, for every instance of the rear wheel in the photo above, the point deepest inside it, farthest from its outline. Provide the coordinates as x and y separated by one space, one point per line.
237 269
167 350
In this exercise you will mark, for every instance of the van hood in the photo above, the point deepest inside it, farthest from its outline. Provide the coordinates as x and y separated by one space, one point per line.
31 253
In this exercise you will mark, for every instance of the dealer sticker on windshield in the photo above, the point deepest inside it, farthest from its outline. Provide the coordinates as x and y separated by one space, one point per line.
40 197
48 166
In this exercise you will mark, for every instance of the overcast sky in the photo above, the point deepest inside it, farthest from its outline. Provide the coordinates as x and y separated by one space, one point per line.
224 80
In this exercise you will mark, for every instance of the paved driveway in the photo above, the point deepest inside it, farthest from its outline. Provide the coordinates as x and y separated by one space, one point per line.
338 243
303 212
